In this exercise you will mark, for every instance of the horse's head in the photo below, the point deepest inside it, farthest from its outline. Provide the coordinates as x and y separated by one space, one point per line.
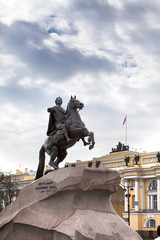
75 103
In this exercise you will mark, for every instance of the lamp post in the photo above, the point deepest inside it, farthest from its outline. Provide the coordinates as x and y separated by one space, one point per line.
128 196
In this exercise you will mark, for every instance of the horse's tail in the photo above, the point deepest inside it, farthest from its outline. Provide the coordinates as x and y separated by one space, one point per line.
41 163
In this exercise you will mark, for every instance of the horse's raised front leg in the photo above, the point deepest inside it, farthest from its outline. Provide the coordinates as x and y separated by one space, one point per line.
84 142
91 140
53 156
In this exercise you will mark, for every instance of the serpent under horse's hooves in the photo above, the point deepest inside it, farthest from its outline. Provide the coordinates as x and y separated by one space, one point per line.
56 145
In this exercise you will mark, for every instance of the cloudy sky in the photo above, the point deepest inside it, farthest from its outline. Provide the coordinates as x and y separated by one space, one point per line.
106 52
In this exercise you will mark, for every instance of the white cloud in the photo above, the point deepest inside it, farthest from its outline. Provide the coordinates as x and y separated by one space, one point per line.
104 52
30 11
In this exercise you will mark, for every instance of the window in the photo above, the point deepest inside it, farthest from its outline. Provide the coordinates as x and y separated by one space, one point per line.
154 201
151 223
152 185
152 195
150 205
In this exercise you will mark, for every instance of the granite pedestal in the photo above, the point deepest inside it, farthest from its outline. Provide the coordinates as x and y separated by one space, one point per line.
67 204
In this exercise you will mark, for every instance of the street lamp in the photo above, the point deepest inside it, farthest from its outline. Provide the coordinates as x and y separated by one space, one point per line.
128 196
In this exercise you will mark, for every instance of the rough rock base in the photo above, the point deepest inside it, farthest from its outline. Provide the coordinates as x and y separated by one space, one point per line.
67 204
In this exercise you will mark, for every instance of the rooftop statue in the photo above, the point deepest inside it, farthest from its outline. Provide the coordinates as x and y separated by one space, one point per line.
120 147
65 128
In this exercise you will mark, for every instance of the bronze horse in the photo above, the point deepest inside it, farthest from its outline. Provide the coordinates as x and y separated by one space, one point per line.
56 144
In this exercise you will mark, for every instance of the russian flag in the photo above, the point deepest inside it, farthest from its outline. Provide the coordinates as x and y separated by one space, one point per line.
125 119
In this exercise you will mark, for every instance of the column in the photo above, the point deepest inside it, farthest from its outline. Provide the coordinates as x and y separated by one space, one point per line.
158 193
126 198
136 195
143 195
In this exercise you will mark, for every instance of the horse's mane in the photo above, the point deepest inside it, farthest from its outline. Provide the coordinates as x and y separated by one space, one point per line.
67 110
67 114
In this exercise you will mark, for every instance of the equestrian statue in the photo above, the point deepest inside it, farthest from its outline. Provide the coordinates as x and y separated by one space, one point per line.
65 128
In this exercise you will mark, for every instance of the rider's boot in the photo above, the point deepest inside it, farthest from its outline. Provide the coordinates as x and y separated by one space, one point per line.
66 134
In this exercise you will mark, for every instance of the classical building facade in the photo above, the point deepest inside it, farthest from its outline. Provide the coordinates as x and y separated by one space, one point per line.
138 198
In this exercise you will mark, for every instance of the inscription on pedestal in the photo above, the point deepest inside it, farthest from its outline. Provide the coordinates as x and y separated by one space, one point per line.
45 187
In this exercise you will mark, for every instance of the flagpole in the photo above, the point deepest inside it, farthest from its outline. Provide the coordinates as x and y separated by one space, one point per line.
126 131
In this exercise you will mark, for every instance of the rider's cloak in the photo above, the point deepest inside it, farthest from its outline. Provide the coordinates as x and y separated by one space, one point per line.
57 115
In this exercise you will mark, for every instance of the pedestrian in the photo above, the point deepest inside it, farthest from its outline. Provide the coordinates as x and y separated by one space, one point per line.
158 233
